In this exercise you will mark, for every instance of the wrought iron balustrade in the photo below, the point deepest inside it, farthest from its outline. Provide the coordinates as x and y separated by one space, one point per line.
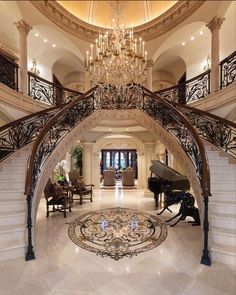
76 111
45 91
8 72
189 91
17 134
228 70
216 130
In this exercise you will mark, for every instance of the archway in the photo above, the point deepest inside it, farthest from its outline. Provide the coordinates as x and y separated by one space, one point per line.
92 121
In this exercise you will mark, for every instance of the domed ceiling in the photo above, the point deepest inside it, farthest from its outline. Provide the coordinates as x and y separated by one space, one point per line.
99 13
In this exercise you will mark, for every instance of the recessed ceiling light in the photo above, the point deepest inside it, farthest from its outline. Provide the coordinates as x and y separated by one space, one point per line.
45 40
109 129
201 33
183 43
53 45
127 129
192 38
36 34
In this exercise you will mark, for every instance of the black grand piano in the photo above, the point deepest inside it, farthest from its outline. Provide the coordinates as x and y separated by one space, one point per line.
166 180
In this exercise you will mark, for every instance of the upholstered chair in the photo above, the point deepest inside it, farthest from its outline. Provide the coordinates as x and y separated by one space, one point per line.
84 191
57 198
128 176
109 177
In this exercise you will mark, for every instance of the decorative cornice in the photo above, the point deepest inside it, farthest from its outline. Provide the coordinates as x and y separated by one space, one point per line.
215 23
160 25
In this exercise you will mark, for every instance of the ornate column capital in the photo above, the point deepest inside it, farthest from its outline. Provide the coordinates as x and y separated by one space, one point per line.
215 23
150 63
23 27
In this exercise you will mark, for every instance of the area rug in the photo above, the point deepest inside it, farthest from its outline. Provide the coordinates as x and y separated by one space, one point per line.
117 232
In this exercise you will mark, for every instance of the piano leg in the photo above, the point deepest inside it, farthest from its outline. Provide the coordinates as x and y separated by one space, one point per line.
156 197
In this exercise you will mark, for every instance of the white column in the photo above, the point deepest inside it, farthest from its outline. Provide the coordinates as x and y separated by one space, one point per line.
150 155
141 171
23 29
87 82
214 25
96 170
149 74
87 162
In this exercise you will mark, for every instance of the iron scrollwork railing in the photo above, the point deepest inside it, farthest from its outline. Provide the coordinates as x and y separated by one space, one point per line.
45 91
218 131
17 134
189 91
49 137
176 123
228 70
8 72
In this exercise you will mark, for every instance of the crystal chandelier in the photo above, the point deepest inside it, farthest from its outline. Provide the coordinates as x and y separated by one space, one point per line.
117 58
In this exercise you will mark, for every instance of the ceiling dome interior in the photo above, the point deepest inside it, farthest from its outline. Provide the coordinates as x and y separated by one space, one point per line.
99 13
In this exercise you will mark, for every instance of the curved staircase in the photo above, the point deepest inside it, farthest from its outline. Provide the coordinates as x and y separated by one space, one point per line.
13 206
222 206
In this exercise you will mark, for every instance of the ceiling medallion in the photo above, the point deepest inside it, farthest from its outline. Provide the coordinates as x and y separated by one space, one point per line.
117 232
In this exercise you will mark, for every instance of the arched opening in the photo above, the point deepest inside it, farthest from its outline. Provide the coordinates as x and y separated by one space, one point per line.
93 120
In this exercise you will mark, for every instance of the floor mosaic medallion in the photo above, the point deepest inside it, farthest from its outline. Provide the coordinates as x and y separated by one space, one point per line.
117 232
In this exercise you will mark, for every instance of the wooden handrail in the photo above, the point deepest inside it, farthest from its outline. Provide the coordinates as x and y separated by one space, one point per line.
228 57
42 134
18 121
205 168
205 114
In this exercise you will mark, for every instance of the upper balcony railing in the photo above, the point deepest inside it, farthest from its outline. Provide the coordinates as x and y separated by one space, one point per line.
52 94
228 70
45 91
8 72
189 91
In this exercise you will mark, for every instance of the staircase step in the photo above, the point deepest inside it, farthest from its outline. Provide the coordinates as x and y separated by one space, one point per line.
228 196
13 167
222 206
223 220
9 234
219 160
18 160
11 185
12 195
14 176
12 205
220 177
12 218
224 236
13 251
224 254
224 185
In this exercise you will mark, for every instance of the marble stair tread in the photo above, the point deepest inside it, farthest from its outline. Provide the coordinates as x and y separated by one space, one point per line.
11 228
14 213
224 215
224 249
12 201
12 245
225 231
227 203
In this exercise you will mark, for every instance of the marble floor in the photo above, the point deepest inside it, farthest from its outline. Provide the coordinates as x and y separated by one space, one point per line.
63 268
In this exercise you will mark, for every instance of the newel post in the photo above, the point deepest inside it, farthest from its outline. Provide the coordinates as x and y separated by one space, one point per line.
205 252
30 251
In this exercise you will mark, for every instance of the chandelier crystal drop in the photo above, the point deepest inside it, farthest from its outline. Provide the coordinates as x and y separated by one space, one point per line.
117 58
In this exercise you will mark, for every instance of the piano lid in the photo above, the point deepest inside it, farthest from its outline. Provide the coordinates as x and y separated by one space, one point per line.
164 171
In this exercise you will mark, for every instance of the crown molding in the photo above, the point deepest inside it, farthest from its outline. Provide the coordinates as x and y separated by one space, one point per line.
85 31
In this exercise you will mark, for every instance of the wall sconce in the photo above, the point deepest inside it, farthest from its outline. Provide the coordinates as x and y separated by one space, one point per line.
207 66
34 68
